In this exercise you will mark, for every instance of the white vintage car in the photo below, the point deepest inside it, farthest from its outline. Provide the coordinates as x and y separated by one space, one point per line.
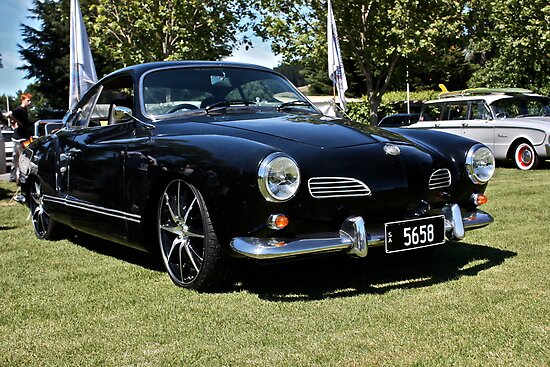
514 123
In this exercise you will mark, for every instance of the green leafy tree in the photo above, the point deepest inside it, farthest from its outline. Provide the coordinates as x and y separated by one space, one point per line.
375 35
47 55
137 31
123 33
510 43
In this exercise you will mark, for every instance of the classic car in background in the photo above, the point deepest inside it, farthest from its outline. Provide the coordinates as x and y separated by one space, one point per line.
399 120
203 161
513 123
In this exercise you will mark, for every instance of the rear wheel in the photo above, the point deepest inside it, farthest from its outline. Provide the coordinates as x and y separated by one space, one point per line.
525 156
189 248
45 228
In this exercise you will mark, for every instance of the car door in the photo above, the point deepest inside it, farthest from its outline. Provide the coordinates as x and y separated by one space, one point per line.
480 125
91 163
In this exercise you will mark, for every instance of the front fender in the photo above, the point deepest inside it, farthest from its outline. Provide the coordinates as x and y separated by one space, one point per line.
222 168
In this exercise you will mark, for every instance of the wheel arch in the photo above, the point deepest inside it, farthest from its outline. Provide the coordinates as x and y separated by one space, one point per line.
223 186
517 141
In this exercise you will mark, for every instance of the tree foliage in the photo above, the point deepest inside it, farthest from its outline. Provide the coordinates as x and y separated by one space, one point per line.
47 55
375 35
127 32
137 31
510 41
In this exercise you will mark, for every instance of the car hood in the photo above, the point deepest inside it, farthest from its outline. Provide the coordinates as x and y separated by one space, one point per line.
315 130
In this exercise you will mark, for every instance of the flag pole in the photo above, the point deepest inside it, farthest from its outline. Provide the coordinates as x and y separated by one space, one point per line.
335 64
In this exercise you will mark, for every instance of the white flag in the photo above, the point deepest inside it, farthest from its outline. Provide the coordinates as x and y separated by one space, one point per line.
82 69
335 65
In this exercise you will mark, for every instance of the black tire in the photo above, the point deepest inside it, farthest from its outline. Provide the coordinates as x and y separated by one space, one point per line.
525 156
45 228
189 248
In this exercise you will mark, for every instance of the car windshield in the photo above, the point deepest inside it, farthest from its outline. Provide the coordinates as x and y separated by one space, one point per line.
188 90
521 106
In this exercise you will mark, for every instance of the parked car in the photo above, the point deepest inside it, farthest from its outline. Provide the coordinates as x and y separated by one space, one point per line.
513 123
7 134
399 120
203 161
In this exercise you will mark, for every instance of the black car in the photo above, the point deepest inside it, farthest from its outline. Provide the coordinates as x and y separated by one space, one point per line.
206 161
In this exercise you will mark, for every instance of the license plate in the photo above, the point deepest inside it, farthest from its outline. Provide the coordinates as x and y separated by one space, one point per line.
415 233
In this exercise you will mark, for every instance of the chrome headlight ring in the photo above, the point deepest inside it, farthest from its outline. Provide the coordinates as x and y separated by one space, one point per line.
480 164
278 177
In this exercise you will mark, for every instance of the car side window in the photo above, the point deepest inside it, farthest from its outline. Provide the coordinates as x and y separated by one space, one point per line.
456 111
431 112
479 111
84 109
116 92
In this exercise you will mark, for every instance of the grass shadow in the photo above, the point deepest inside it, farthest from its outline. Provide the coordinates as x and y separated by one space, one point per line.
124 253
342 276
6 193
333 276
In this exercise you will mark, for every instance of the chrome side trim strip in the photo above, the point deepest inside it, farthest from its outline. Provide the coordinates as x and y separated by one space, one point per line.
93 208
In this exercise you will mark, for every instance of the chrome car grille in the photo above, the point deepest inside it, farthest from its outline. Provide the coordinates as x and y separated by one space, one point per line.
440 179
333 187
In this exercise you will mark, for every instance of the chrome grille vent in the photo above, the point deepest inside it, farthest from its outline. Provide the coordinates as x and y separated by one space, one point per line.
440 179
334 187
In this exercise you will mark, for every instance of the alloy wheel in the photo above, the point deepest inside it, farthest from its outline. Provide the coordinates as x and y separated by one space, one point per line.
182 232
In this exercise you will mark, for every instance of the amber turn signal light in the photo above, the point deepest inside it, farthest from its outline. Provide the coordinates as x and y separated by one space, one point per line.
479 199
277 221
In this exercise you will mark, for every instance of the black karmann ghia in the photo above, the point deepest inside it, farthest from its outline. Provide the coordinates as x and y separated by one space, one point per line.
204 161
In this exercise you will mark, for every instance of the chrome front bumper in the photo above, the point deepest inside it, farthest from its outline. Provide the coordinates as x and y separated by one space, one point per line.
353 238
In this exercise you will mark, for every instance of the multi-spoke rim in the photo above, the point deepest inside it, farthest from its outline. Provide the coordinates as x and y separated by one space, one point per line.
40 217
181 230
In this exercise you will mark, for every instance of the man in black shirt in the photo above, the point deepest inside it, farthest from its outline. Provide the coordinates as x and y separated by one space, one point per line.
22 131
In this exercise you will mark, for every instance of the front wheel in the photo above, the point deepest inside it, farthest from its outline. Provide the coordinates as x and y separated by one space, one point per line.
525 156
45 228
189 248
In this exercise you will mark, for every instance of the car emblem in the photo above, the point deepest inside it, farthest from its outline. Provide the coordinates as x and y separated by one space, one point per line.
391 149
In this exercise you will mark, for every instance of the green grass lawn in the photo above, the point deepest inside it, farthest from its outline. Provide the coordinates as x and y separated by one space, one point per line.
481 302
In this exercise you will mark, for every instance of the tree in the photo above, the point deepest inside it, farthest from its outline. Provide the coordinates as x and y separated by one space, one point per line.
375 35
47 55
137 31
510 42
126 32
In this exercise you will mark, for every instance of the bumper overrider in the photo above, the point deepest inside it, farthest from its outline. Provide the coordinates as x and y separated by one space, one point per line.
353 237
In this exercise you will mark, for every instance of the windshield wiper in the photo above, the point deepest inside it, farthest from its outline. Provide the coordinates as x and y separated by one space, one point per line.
234 102
282 106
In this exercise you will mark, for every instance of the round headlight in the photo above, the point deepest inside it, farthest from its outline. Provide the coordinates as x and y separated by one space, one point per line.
480 164
278 177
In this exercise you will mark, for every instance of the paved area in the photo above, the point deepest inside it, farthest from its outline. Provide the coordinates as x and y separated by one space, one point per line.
5 177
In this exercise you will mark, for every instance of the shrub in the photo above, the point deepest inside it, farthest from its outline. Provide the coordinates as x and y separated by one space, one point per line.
392 102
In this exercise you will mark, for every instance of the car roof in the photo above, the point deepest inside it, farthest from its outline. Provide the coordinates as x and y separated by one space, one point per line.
489 98
142 68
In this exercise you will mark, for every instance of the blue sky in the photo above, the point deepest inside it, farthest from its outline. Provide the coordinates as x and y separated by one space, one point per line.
15 12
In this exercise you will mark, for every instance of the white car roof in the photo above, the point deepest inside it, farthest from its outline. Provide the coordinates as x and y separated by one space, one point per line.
489 98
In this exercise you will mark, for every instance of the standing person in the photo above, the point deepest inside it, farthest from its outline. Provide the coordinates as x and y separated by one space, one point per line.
22 131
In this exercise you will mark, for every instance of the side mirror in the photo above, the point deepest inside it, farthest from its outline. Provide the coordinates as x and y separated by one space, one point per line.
121 114
124 114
